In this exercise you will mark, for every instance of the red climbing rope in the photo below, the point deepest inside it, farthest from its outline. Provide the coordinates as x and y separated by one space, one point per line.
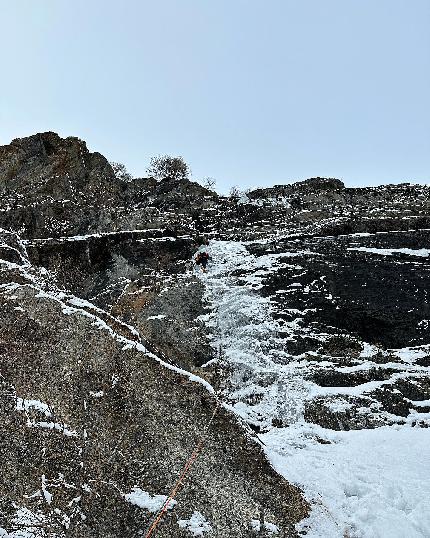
181 479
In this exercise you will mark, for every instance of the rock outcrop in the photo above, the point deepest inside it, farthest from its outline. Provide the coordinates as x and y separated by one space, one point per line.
88 417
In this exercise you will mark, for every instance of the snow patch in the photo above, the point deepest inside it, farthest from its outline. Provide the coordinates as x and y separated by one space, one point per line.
196 525
98 394
143 499
26 405
271 528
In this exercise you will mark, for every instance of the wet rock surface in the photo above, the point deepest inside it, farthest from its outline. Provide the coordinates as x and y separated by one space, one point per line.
364 285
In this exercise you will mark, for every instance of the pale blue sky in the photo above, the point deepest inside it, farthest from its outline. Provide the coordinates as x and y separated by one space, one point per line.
250 92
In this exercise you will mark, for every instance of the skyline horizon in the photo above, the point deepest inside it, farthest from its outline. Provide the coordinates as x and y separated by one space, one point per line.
242 188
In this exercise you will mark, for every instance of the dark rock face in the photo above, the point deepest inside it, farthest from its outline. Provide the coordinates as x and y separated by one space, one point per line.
355 288
90 265
319 411
45 180
49 166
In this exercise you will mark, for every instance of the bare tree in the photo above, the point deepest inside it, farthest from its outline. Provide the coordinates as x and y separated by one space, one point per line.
166 166
209 182
121 171
234 193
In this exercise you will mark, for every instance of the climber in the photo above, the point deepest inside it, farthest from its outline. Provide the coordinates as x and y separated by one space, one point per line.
202 259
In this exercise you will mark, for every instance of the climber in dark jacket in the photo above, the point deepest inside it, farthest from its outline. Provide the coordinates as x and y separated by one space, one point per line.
202 259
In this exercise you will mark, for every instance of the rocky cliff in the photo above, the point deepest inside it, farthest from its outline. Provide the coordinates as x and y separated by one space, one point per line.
311 322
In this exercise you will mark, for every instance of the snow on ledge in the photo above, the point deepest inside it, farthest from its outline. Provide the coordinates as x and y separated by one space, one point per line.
422 252
24 405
